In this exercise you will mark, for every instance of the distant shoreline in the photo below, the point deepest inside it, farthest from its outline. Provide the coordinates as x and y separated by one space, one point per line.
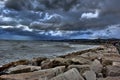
80 41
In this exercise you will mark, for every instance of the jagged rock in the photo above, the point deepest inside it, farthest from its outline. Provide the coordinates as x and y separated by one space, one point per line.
100 78
51 63
90 75
110 58
41 74
80 60
80 68
116 64
96 66
107 62
92 55
37 61
12 64
72 74
110 78
100 75
113 71
22 69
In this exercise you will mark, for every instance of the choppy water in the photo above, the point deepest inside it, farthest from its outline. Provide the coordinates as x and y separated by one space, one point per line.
59 19
16 50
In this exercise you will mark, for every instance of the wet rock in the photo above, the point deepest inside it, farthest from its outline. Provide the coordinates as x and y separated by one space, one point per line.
37 61
90 75
51 63
113 71
80 68
12 64
96 66
41 74
72 74
22 69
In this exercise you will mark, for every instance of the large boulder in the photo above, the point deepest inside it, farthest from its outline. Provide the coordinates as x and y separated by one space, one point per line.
113 71
80 68
51 63
96 66
22 69
90 75
72 74
111 57
110 78
37 61
80 60
41 74
12 64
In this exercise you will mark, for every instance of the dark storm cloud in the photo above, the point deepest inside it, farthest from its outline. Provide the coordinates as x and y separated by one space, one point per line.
111 6
67 15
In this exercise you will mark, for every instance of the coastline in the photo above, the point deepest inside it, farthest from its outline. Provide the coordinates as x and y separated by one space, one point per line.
16 50
96 63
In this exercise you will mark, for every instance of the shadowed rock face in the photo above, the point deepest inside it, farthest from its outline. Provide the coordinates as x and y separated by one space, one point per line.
117 45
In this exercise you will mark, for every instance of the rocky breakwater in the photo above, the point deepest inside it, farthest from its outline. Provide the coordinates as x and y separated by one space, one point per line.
101 63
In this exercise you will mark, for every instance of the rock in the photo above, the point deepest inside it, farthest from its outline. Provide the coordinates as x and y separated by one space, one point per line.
51 63
22 69
90 75
80 60
100 75
41 74
92 55
116 64
37 61
113 71
106 62
12 64
110 78
100 78
80 68
96 66
72 74
111 57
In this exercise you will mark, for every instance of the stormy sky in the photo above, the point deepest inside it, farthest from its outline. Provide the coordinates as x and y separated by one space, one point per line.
61 19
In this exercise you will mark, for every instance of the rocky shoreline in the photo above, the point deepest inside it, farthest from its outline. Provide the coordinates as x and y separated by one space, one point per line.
101 63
